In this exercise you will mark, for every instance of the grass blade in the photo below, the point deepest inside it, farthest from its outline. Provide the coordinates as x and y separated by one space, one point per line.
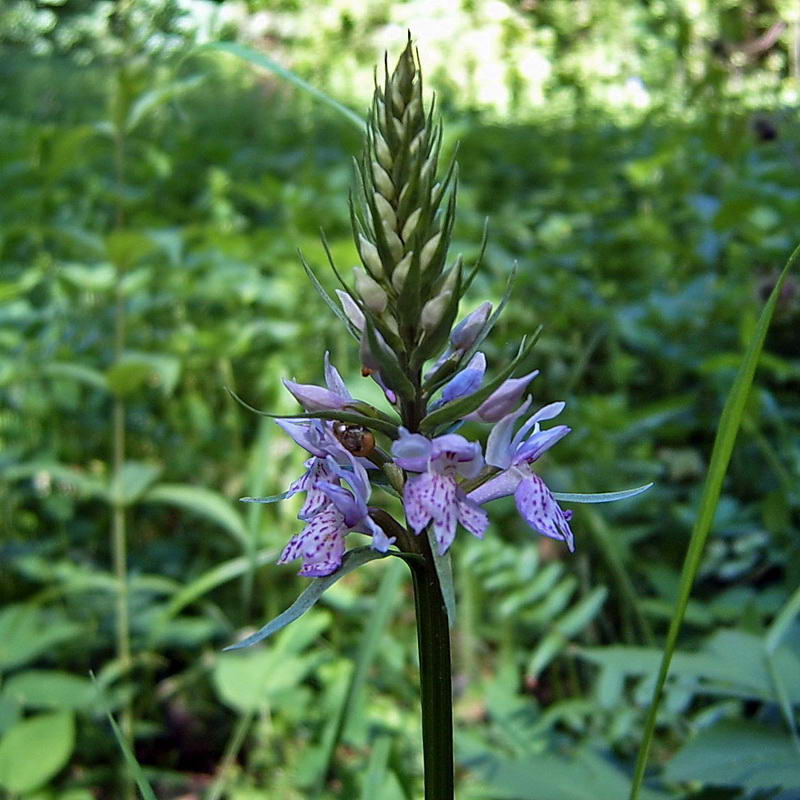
264 61
137 772
729 424
377 623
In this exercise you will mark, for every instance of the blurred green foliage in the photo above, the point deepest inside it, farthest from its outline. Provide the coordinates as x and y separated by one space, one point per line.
638 160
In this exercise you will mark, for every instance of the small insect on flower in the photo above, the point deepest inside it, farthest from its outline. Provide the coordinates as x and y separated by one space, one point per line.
356 439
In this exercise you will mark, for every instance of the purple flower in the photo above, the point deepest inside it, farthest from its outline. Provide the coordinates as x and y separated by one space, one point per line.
514 454
502 400
315 398
434 494
321 544
467 381
464 334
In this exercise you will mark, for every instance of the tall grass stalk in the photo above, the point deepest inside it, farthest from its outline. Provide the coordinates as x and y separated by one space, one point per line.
728 428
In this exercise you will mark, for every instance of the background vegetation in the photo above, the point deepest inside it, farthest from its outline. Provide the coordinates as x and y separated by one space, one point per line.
638 159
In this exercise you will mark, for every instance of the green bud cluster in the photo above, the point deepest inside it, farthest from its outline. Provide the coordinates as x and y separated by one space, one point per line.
402 215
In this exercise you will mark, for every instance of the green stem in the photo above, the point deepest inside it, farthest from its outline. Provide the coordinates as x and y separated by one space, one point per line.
433 639
435 668
119 545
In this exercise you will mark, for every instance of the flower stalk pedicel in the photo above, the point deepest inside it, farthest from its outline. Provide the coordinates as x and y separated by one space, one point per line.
402 307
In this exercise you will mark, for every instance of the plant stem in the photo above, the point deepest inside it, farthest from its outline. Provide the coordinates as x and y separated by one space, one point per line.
433 639
119 545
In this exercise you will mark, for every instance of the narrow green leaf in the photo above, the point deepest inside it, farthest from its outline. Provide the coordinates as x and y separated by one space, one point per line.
203 502
130 759
275 498
782 622
390 369
444 572
377 621
725 439
264 61
76 372
373 423
600 497
207 582
376 767
352 560
326 298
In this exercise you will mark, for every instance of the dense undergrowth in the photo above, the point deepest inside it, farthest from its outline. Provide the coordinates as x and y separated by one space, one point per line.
645 249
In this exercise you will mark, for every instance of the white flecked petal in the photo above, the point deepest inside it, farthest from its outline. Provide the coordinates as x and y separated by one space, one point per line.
471 515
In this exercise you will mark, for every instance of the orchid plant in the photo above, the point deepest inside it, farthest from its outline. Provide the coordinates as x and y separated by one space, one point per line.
402 309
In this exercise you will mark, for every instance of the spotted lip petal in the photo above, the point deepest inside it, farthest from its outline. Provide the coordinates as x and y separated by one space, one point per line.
433 497
538 507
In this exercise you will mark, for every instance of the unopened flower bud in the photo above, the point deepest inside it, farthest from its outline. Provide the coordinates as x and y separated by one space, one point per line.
412 111
382 180
382 151
434 309
466 332
502 400
351 310
428 251
416 142
394 243
316 398
370 291
370 257
400 272
385 210
397 100
411 225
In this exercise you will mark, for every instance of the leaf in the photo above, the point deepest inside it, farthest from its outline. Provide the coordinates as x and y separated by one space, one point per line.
133 480
374 423
569 624
76 372
584 775
376 767
275 498
208 581
383 608
738 753
600 497
50 689
125 247
34 750
134 369
130 759
352 560
26 632
388 365
83 483
728 428
201 501
254 679
444 572
326 298
149 101
263 60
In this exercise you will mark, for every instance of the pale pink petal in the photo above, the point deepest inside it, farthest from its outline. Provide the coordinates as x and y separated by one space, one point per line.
416 492
541 511
471 515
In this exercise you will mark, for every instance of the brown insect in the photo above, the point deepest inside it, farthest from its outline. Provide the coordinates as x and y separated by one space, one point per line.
354 438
